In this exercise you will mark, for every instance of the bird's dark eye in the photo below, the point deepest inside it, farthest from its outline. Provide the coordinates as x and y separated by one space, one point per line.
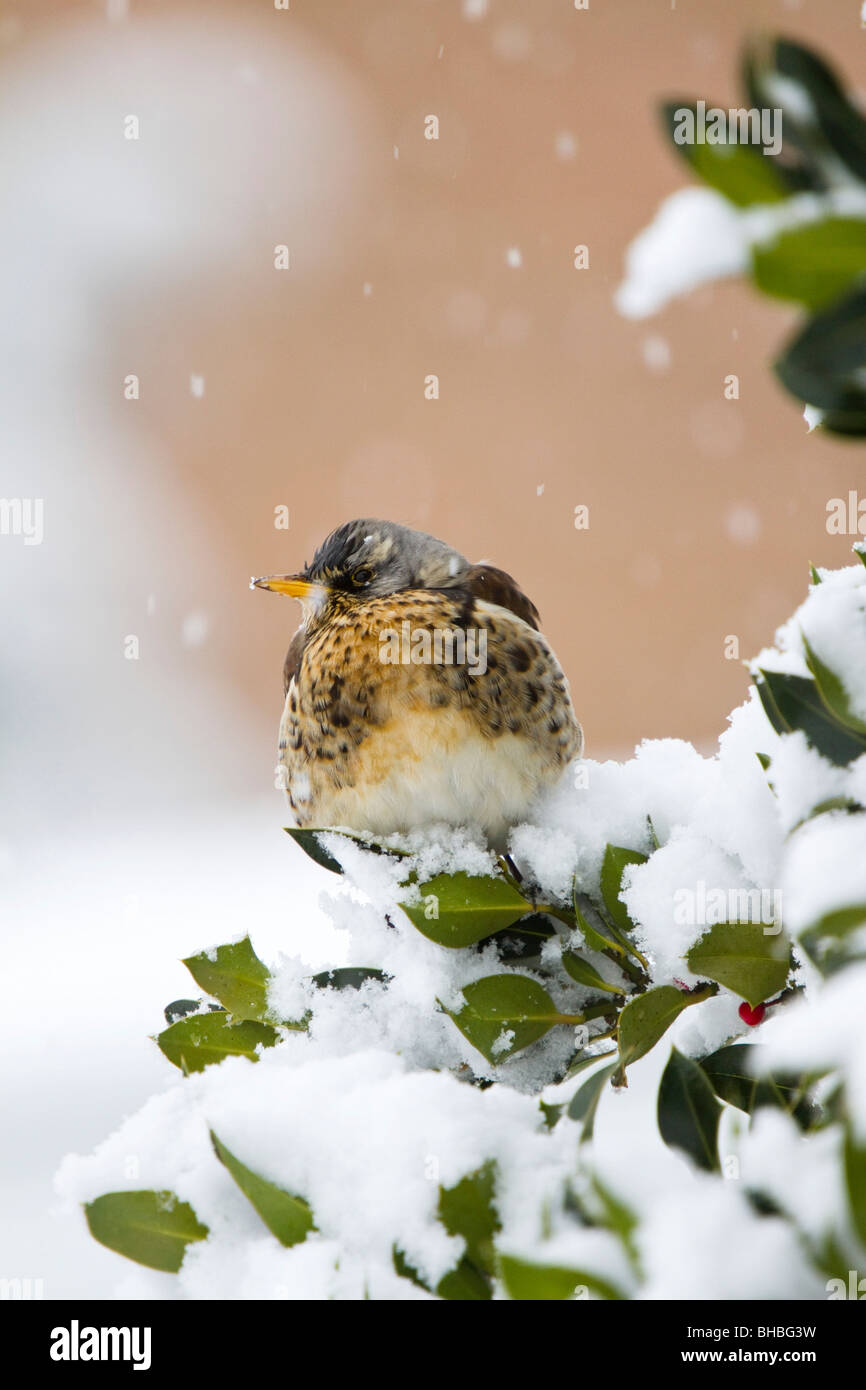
362 576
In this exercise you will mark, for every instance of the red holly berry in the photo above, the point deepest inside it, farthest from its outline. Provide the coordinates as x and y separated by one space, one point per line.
752 1016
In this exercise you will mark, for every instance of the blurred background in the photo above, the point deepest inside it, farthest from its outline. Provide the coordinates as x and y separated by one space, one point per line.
167 392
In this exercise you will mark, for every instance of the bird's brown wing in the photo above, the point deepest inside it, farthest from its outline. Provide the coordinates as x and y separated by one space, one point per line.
293 658
495 586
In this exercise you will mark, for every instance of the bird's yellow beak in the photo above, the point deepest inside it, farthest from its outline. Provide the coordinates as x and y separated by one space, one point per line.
292 584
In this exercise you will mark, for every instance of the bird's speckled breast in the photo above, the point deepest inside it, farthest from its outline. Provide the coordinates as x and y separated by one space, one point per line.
383 745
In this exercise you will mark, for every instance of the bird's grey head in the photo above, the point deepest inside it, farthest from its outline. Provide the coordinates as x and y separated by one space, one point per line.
370 558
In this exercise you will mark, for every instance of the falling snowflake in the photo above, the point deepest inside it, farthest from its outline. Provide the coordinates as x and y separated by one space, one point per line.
743 524
656 353
195 629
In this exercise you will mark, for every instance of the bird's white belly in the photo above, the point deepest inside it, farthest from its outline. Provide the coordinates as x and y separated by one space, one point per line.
432 766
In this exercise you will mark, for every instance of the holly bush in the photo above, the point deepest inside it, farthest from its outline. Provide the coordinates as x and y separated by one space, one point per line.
813 250
532 965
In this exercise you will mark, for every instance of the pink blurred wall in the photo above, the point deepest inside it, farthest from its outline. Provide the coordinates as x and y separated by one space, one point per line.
704 513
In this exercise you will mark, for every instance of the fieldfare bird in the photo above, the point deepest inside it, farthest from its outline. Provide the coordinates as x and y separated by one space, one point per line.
418 689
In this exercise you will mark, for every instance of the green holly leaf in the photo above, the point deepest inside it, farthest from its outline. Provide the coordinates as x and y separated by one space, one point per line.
833 692
526 1281
152 1228
235 976
181 1008
584 1102
823 363
460 909
552 1114
688 1111
827 937
201 1040
793 702
465 1283
740 956
855 1180
619 1218
647 1017
594 938
469 1210
407 1270
582 1060
524 941
739 171
838 120
504 1013
287 1217
349 977
730 1071
309 841
616 860
813 264
585 974
833 803
835 939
